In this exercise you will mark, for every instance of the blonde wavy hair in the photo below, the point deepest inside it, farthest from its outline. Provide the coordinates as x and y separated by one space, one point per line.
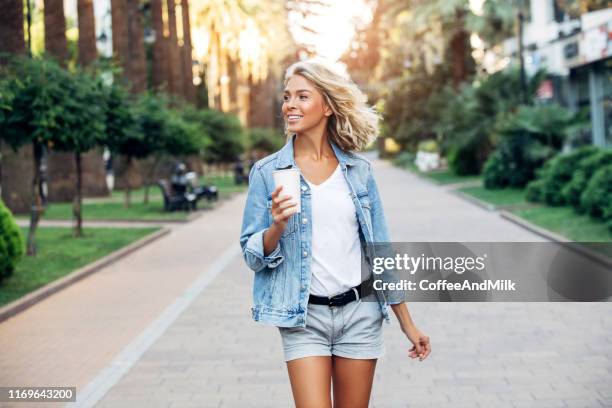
353 124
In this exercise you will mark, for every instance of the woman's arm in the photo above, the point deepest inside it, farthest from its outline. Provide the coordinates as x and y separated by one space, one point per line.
259 238
421 346
255 224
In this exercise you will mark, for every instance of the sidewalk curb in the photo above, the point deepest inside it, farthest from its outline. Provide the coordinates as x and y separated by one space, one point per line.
473 200
575 246
49 289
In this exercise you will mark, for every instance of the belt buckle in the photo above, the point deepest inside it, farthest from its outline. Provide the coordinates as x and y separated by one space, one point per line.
336 300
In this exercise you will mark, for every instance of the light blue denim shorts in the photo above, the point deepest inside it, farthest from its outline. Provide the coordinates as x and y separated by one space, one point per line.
352 331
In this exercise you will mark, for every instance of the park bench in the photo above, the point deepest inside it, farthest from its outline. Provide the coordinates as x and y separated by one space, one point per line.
173 202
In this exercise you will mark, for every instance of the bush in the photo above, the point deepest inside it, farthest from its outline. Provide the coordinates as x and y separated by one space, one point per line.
597 197
468 157
528 138
585 169
404 159
429 146
11 243
556 174
265 140
514 162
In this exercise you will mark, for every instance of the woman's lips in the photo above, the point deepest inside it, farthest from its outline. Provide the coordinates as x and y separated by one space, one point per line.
293 118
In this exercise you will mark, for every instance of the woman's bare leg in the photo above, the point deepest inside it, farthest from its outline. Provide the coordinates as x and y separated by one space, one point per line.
311 381
352 380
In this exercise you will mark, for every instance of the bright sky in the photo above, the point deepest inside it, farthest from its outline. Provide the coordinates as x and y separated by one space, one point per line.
335 26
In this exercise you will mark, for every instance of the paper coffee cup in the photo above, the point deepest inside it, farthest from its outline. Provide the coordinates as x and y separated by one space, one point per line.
290 180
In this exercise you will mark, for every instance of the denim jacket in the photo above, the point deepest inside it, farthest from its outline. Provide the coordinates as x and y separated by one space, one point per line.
282 278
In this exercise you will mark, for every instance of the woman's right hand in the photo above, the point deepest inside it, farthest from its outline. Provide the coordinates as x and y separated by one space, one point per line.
282 208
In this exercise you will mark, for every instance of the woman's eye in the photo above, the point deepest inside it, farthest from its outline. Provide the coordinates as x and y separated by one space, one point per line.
302 97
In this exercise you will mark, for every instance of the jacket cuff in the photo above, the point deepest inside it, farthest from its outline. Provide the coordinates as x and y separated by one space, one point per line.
256 248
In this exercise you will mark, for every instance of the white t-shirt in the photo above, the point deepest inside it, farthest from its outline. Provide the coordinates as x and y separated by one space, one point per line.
336 249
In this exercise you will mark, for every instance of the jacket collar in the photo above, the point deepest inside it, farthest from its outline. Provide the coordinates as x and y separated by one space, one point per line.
285 157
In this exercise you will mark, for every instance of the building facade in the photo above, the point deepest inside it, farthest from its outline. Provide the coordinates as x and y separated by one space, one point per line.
576 52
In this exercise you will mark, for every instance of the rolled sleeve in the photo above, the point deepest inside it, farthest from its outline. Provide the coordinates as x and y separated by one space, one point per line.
254 253
255 222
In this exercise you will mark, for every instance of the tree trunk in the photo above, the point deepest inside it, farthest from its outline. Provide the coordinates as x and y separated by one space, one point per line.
174 69
137 66
120 33
189 90
160 62
55 30
77 204
461 51
36 209
150 177
128 42
11 27
87 32
128 182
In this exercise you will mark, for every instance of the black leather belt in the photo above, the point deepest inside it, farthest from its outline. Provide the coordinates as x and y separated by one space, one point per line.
343 298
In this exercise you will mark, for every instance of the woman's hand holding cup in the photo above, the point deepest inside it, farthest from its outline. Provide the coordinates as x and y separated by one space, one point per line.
283 207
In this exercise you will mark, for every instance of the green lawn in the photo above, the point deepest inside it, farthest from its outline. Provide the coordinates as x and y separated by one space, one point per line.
564 221
59 254
116 211
496 197
445 176
113 209
225 184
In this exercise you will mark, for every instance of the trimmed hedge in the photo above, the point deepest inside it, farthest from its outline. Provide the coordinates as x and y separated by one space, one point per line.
11 243
514 162
597 198
580 179
556 174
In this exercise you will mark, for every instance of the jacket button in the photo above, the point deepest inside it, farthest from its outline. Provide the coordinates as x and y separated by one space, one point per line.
304 220
303 188
305 253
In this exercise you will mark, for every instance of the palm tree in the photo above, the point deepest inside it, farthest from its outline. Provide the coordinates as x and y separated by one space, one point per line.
137 67
174 63
189 90
128 42
120 32
11 27
55 30
87 32
160 62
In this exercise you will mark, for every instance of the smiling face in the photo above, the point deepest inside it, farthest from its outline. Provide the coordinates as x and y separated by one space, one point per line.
304 108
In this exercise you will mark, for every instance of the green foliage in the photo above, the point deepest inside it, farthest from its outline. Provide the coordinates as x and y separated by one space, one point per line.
514 162
404 159
226 135
121 122
11 243
407 118
423 107
45 103
556 174
183 137
597 197
265 139
528 138
428 145
580 178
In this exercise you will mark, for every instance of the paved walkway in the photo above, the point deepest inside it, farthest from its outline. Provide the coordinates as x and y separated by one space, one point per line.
170 326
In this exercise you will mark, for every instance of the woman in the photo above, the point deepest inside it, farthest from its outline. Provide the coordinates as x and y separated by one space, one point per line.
307 265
